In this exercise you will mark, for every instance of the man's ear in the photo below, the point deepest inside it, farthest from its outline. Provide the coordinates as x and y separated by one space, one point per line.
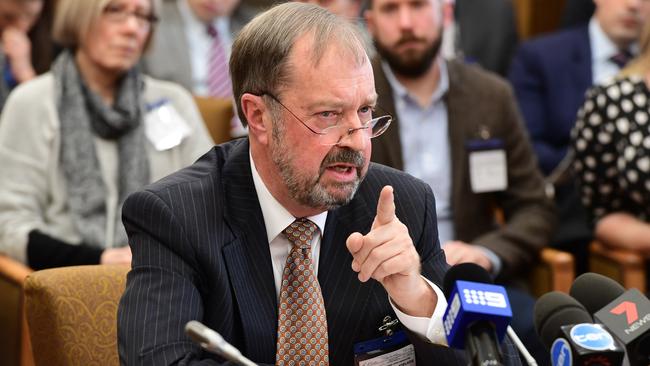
259 125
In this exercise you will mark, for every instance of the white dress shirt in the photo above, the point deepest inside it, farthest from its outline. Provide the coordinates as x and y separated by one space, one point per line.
200 44
277 218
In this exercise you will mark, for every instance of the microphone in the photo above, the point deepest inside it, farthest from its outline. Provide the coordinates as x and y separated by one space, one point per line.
478 313
626 314
566 328
213 342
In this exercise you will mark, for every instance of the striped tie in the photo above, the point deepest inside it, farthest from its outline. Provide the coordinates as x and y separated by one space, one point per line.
218 77
302 324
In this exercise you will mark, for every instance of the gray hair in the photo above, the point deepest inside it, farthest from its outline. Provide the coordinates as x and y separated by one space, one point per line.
260 53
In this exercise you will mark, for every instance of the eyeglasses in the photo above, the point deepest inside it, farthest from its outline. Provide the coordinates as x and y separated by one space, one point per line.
117 13
336 132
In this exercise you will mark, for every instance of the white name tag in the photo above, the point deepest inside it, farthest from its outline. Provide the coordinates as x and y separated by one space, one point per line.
404 356
488 171
164 126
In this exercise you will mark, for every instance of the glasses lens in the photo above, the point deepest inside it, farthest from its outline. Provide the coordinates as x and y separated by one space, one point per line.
379 125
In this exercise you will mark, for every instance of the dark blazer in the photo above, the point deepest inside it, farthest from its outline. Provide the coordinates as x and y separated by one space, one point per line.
200 252
550 76
478 100
169 55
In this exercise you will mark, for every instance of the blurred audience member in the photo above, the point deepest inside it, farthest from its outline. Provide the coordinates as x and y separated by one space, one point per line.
17 17
192 46
550 76
611 141
77 140
485 32
457 128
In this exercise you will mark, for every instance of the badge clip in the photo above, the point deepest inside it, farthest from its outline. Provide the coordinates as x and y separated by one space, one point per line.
388 325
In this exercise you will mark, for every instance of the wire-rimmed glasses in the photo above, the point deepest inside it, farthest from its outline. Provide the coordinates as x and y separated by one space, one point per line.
336 133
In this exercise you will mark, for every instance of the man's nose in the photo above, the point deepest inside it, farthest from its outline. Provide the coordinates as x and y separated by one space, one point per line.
355 139
405 18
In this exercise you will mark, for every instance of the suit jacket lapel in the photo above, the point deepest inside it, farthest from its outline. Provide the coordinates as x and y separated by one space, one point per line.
389 144
248 258
581 56
456 116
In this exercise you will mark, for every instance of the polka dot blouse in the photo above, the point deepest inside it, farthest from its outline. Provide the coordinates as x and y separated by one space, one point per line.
611 140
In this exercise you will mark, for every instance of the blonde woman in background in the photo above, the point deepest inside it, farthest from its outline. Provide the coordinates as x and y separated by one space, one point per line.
77 140
611 141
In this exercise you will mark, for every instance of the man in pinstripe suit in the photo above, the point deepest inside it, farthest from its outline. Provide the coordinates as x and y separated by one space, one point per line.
207 241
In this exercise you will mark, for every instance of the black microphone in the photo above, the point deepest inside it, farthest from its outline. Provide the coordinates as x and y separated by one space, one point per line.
626 314
566 328
477 315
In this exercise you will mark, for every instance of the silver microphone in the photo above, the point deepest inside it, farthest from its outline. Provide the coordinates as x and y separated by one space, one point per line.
520 346
213 342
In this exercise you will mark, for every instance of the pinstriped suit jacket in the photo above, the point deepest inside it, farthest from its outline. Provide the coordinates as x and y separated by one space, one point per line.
200 252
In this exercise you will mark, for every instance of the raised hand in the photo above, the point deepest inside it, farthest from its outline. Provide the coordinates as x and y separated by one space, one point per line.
387 255
18 48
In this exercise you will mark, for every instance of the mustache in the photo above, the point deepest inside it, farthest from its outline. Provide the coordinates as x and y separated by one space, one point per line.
408 37
344 155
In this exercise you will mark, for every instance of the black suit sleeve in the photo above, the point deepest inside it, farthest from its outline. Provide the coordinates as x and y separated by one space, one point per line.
162 292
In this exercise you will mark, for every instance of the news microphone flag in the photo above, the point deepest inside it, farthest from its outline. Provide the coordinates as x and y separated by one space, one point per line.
470 302
628 319
585 344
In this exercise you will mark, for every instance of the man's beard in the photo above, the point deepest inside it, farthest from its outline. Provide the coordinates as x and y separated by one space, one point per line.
410 64
309 190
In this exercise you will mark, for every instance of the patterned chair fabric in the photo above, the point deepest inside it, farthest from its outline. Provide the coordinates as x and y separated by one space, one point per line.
72 314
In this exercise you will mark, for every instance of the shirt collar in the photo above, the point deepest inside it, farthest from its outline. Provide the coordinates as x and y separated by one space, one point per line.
195 25
402 93
276 217
602 48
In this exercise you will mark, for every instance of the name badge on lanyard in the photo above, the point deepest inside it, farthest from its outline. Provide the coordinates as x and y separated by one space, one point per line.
488 167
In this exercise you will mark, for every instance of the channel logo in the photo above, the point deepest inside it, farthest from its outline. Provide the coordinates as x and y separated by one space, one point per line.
485 298
561 353
629 309
591 337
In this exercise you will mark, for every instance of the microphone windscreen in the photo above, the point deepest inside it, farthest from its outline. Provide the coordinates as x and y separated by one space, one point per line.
595 291
555 309
464 272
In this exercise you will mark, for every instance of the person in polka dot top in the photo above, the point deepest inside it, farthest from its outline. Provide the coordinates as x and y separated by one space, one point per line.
611 142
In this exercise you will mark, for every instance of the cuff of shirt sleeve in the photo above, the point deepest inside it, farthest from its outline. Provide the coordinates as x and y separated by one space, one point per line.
431 328
494 260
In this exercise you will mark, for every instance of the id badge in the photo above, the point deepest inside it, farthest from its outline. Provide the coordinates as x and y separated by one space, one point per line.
488 167
393 350
164 127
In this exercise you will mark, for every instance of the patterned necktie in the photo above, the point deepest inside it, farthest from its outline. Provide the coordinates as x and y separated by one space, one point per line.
302 324
218 77
621 58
